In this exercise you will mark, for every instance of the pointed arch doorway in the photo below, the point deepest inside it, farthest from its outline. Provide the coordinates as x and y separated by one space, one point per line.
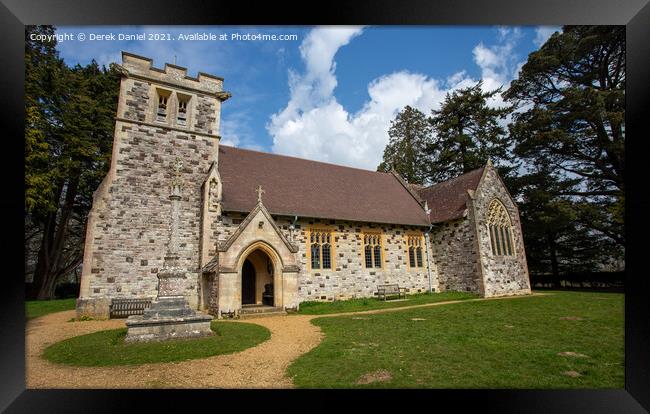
257 279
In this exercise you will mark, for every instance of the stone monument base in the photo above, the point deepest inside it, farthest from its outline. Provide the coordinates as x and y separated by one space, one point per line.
167 318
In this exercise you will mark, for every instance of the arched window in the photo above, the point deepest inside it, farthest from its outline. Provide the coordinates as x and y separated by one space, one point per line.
414 244
320 250
372 250
500 229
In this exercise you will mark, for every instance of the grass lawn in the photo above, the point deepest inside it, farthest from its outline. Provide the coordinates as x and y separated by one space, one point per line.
509 343
36 308
363 304
106 348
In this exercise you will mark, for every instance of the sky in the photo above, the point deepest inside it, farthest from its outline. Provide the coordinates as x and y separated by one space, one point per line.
328 93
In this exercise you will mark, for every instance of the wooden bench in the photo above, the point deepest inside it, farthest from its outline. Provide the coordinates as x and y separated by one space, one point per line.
383 291
123 308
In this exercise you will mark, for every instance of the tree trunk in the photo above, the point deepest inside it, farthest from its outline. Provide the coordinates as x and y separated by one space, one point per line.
49 267
42 263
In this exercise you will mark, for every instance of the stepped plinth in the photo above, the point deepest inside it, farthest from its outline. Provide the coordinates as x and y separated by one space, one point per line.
169 316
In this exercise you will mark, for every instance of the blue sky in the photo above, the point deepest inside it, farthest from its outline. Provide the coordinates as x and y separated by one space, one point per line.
330 94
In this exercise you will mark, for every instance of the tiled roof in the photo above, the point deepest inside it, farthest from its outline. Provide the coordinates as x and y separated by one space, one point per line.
447 200
296 186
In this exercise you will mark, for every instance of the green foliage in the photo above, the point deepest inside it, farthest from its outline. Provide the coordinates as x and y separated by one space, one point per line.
107 348
509 343
36 308
572 92
410 135
68 139
561 157
467 133
556 239
43 71
362 304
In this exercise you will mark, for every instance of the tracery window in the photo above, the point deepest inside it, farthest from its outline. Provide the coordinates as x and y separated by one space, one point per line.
320 248
372 250
414 245
500 229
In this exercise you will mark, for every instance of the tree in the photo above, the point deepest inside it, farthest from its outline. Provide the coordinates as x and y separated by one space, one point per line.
556 241
69 133
468 132
410 134
572 95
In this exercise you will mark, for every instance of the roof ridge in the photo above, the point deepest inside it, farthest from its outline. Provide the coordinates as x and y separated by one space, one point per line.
302 159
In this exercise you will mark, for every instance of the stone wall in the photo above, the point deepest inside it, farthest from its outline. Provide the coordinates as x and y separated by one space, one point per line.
348 277
502 275
130 238
128 227
453 246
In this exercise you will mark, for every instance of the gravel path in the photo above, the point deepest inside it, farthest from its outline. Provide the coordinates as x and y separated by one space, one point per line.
263 366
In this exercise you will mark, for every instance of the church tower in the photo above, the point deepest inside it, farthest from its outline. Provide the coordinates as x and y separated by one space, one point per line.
164 118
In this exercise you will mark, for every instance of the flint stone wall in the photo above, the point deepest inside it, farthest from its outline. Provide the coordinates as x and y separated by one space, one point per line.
348 278
502 275
130 238
128 227
453 246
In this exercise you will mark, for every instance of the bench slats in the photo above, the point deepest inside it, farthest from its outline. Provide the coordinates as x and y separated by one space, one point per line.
390 289
122 308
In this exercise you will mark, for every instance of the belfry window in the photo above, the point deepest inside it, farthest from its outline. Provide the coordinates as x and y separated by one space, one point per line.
500 229
320 249
372 250
414 245
161 108
181 114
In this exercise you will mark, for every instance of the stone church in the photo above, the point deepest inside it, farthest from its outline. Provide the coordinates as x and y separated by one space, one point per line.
256 228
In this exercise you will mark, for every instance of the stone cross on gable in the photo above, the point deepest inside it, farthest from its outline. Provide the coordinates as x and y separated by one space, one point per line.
259 193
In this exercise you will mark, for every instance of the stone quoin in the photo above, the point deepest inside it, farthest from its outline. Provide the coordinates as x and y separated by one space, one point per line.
256 228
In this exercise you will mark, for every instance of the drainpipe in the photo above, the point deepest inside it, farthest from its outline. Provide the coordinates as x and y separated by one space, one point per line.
426 248
426 243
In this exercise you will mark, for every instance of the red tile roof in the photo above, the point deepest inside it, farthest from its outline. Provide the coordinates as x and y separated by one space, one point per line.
295 186
447 200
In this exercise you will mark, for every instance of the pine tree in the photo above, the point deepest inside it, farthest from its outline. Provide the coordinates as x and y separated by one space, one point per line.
572 92
410 135
69 134
556 240
468 132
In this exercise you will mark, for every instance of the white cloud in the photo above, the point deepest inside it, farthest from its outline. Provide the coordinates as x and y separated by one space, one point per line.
235 129
542 33
315 125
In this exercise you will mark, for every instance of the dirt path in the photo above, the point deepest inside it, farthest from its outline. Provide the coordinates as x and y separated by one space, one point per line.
263 366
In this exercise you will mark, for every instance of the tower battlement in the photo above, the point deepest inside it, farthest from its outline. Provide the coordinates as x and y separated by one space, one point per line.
140 66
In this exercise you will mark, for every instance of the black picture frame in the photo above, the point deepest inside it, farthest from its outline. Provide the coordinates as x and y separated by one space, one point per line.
634 14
